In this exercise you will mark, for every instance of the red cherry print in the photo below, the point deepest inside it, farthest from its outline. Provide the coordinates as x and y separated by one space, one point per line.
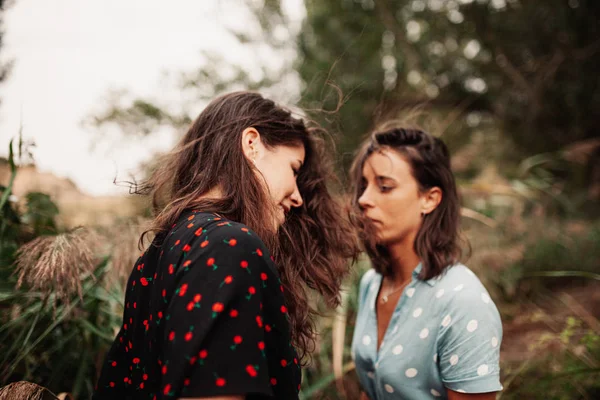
183 289
220 382
186 382
228 279
244 229
259 321
125 326
259 252
186 248
198 232
160 314
142 385
145 377
167 389
164 293
112 384
191 217
237 339
251 371
281 288
193 360
283 363
268 328
232 242
144 282
273 381
295 361
263 276
164 370
204 244
203 354
190 225
217 307
114 364
187 263
172 336
197 297
251 290
126 380
135 303
177 242
188 336
233 313
244 264
261 345
171 269
190 306
210 262
283 309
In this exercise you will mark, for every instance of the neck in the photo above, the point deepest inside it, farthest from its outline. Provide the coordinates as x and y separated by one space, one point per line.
403 260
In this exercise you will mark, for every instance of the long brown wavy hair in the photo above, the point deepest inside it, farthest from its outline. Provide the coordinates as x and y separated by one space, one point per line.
311 249
438 241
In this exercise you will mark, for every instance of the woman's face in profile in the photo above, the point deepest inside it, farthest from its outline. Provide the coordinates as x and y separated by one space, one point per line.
390 197
278 168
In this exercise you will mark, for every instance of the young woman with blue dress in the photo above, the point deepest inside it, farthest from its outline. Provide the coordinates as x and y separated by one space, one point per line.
426 327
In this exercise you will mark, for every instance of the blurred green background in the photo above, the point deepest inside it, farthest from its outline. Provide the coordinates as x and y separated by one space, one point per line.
513 88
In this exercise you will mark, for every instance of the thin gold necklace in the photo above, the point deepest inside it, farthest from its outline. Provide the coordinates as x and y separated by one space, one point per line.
385 297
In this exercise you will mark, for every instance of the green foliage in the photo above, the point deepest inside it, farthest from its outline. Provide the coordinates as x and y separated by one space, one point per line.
43 339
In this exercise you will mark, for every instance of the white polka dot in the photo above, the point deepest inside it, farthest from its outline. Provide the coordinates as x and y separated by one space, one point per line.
439 294
459 288
424 333
395 329
410 292
371 374
417 313
388 388
366 340
435 393
435 357
461 391
398 349
494 341
472 325
411 373
485 298
482 370
446 321
382 343
454 359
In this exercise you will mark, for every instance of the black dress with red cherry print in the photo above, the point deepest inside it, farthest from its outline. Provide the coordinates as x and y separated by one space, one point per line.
204 316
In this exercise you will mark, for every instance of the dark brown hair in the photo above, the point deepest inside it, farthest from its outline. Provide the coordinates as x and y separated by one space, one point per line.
437 241
314 244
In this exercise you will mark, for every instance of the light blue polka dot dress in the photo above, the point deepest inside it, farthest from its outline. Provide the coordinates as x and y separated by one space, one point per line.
444 333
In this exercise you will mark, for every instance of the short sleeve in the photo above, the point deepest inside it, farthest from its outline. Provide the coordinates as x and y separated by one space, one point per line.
214 336
469 343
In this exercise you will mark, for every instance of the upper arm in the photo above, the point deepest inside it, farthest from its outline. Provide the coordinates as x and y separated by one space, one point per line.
452 395
469 344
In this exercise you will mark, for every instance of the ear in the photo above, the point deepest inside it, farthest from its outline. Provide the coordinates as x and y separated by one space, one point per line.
251 143
430 200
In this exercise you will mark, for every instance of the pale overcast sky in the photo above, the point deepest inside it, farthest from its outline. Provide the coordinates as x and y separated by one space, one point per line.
67 55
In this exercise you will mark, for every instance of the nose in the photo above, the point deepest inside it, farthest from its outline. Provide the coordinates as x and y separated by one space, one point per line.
296 198
364 201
